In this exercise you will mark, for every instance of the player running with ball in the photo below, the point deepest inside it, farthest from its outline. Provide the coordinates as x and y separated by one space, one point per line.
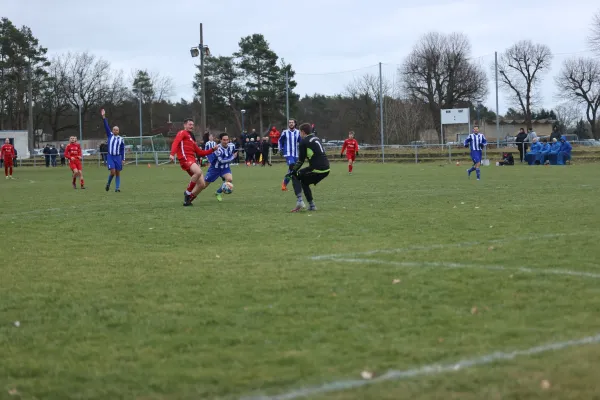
220 161
351 148
186 148
475 141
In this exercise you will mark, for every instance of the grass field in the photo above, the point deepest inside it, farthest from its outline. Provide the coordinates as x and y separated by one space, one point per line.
132 296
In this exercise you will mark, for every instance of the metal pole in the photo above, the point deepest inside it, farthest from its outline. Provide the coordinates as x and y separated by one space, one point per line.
141 128
287 97
497 110
242 124
30 117
202 91
381 113
80 127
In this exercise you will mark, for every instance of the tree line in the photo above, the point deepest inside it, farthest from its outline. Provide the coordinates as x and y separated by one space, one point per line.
438 73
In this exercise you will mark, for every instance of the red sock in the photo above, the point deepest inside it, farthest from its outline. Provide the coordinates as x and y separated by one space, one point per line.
191 186
81 182
10 170
5 170
350 168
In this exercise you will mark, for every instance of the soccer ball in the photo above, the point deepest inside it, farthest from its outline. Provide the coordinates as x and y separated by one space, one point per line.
227 187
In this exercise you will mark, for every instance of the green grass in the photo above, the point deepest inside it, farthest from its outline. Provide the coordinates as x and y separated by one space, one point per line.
132 296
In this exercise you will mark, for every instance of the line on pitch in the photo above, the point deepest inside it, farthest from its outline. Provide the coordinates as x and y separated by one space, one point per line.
474 266
443 246
427 370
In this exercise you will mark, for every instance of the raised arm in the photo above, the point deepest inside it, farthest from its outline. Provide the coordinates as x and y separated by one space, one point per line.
105 121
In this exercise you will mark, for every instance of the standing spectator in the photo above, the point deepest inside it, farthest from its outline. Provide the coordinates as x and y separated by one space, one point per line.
250 151
61 153
46 153
236 143
555 133
274 134
313 130
265 151
520 139
253 135
531 135
103 151
53 154
15 159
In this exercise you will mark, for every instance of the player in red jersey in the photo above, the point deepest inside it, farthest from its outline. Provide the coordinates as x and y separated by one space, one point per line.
74 155
186 148
7 153
351 147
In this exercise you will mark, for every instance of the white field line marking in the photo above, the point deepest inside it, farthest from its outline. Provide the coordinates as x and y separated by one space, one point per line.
427 370
443 246
455 265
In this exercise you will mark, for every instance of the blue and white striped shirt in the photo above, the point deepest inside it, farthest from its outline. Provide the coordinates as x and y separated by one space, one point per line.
207 146
223 156
475 141
116 145
288 142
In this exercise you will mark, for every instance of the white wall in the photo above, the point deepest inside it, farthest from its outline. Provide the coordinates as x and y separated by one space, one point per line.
21 141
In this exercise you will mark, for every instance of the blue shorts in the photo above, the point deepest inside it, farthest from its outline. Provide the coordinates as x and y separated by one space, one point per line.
114 162
290 160
214 173
476 156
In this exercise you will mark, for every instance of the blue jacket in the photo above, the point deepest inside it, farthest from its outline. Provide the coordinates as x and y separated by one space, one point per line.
555 148
535 148
546 148
565 146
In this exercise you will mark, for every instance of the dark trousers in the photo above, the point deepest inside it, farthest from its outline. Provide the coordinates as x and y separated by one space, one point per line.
47 161
265 155
307 177
522 151
62 161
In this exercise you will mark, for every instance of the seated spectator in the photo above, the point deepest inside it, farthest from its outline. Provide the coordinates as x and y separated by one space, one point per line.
554 150
545 151
564 153
533 155
507 159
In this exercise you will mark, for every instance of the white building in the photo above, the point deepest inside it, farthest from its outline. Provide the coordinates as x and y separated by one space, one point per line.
19 139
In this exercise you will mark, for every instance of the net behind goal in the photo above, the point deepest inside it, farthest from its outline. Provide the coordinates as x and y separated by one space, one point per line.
143 144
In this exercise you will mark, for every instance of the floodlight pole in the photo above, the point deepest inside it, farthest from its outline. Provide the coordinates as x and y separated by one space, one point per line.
202 83
497 110
141 129
381 113
287 97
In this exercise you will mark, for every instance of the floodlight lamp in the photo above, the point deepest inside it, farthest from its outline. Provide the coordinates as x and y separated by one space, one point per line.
194 52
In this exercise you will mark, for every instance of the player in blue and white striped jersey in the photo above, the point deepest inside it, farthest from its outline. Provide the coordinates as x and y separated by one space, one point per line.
116 153
209 143
220 164
475 141
288 147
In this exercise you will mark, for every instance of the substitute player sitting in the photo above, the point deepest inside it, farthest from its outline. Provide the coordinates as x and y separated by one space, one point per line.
74 154
475 141
186 148
220 163
351 147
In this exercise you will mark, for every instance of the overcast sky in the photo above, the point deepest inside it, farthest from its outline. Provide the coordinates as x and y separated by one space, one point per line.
328 42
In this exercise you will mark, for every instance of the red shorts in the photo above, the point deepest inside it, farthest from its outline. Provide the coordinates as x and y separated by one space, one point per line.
351 156
8 162
186 165
75 165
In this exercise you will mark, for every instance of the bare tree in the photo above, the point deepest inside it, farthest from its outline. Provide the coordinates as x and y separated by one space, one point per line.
579 80
438 72
88 80
164 87
56 107
594 38
567 115
520 70
365 105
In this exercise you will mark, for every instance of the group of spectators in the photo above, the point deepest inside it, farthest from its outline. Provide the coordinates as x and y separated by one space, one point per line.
51 153
555 150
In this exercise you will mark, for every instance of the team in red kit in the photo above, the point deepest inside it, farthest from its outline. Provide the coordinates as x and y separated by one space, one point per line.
186 149
74 155
351 147
7 153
